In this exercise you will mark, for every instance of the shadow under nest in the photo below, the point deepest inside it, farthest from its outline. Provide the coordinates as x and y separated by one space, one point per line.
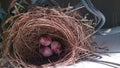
22 37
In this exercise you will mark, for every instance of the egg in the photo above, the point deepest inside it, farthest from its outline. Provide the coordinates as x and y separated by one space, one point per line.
46 51
45 40
56 47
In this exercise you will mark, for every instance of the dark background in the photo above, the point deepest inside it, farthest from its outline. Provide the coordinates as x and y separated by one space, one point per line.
110 8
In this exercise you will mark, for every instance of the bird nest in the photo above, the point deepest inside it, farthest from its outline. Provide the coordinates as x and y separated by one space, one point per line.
21 39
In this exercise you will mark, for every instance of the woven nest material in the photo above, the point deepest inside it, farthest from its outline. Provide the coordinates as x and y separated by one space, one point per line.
21 43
